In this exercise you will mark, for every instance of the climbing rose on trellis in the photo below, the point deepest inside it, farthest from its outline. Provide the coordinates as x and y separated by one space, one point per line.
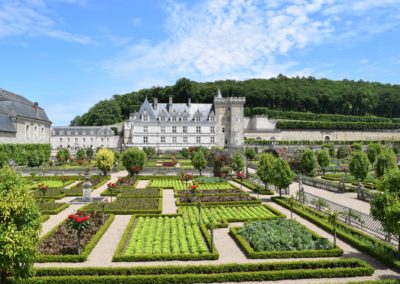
79 222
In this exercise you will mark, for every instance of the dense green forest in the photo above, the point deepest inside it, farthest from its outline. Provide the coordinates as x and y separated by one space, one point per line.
306 94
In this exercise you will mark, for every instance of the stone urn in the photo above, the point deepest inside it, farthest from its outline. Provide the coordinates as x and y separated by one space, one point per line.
87 190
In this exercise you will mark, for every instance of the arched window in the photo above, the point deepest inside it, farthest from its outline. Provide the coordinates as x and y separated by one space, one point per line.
327 138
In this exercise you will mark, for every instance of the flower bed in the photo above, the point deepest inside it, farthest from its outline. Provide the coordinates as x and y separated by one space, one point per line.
124 206
364 242
59 245
163 238
50 207
234 272
168 164
222 215
126 181
281 239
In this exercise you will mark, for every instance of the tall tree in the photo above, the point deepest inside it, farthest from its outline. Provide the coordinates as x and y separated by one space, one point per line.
104 160
264 169
359 165
282 175
385 206
373 150
133 160
19 226
199 162
238 162
308 162
385 161
323 159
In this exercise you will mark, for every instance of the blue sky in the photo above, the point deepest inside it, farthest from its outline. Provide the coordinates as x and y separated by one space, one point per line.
69 54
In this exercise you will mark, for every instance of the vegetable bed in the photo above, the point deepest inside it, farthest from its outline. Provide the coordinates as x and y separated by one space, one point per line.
124 206
195 198
222 215
281 239
163 238
133 193
179 185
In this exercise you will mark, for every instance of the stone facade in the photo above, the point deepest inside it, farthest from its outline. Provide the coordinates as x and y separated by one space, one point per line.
75 137
22 121
173 126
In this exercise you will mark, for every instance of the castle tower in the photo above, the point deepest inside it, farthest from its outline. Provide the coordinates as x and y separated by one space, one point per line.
229 116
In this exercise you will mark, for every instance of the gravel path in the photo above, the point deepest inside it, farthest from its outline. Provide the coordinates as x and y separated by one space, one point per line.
169 206
142 183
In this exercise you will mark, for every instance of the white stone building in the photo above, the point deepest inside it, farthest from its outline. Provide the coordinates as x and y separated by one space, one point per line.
172 126
22 121
75 137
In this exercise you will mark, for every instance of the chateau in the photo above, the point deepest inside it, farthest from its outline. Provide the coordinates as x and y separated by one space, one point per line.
22 121
172 126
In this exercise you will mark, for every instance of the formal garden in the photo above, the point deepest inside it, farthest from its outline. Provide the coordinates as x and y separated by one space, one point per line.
226 217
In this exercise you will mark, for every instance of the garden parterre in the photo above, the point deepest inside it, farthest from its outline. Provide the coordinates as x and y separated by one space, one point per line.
179 185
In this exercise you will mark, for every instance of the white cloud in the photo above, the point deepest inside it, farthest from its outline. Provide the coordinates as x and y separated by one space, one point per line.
239 39
136 21
34 18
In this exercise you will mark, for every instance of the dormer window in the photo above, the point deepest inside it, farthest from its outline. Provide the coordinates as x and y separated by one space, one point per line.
197 118
145 117
174 118
211 118
162 118
184 119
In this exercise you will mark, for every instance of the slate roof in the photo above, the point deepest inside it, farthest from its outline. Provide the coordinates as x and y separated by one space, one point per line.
178 109
107 131
15 105
6 124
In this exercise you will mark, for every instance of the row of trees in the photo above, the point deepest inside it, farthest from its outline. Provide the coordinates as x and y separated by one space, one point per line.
31 155
289 94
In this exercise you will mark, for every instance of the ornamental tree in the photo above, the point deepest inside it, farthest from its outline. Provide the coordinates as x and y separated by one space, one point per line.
385 161
35 158
373 150
81 154
133 160
265 168
333 218
89 153
385 206
250 153
238 162
323 159
359 165
150 151
78 222
63 155
343 152
19 226
199 162
111 186
281 174
330 148
308 162
104 160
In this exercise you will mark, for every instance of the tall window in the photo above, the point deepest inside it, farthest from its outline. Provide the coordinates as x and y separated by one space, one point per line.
173 129
184 129
60 139
212 140
91 140
212 129
145 139
145 117
162 118
223 129
68 132
198 129
162 139
197 118
198 139
162 129
61 133
184 119
91 132
211 118
145 129
76 140
83 132
174 139
184 139
174 118
27 131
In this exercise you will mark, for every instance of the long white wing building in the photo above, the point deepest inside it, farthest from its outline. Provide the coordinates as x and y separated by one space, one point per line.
172 126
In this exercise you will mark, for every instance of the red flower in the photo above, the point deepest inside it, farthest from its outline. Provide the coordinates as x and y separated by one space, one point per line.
241 175
194 186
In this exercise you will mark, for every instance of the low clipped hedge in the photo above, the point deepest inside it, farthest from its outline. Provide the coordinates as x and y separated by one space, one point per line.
50 207
246 247
203 273
119 257
251 185
121 206
296 124
237 203
362 241
86 250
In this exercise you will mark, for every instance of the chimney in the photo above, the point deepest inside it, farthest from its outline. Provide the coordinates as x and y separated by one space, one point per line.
170 104
36 107
189 102
155 103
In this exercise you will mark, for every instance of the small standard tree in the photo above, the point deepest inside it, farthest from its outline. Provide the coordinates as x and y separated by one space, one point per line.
250 154
150 151
373 150
238 162
359 165
333 218
81 154
343 152
385 206
133 160
89 153
185 153
265 168
323 159
63 155
308 162
199 162
385 161
282 175
104 160
19 226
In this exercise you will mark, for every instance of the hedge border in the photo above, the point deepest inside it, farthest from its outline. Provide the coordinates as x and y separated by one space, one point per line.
318 219
86 251
204 273
245 246
55 211
119 257
131 211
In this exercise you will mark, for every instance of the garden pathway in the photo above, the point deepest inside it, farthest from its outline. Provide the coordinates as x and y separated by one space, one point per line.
169 206
101 256
142 183
348 199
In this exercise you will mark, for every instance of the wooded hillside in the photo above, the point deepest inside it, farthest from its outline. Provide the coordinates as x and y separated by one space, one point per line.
325 96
